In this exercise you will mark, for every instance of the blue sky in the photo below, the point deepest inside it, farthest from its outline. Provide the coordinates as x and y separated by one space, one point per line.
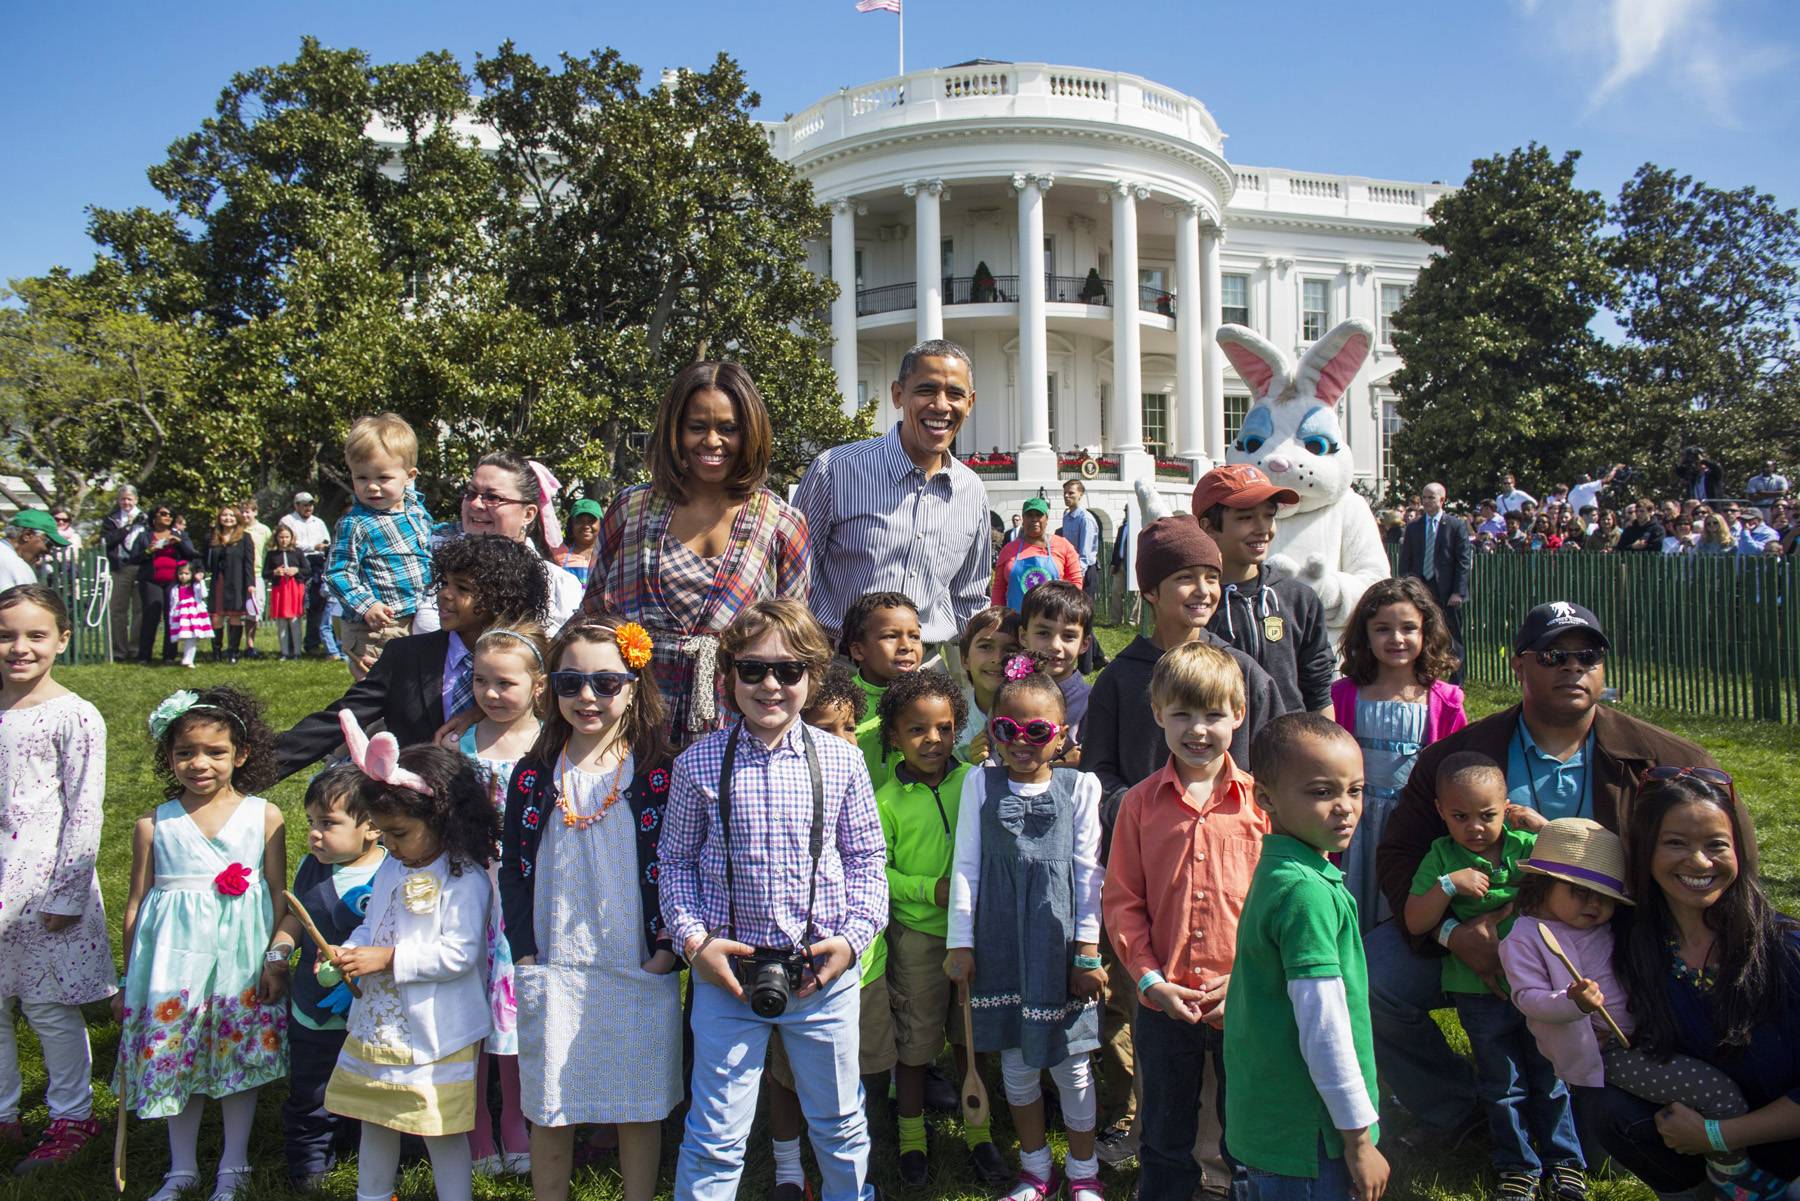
93 93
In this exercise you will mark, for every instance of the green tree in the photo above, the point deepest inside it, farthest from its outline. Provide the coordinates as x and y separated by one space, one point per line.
1504 371
1710 300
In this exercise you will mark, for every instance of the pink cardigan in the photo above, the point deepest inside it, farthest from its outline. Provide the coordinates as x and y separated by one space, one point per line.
1568 1038
1443 708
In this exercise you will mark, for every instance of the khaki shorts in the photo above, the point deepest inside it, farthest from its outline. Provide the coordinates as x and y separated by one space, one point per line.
925 1008
357 639
875 1039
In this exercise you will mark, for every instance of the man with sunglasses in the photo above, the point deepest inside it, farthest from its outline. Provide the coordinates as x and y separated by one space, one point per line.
1565 755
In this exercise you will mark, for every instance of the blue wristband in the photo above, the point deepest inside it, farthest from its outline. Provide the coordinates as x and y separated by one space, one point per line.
1150 980
1089 963
1443 932
1447 884
1715 1137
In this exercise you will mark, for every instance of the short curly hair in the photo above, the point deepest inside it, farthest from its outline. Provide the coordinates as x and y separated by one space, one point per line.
241 714
459 810
839 687
914 686
506 577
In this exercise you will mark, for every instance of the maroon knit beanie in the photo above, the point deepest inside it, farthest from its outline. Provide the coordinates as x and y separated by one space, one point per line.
1169 544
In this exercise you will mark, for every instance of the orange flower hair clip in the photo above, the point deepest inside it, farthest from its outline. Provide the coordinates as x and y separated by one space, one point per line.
635 646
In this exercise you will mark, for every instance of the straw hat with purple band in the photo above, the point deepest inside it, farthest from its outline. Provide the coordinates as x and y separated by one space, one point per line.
1581 852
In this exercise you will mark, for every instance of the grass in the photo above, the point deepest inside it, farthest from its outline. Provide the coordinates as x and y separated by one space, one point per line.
1757 755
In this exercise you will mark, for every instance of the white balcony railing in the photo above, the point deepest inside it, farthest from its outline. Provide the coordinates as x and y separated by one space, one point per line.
1275 191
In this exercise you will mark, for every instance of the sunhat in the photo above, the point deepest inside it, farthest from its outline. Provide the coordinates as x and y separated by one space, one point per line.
1580 851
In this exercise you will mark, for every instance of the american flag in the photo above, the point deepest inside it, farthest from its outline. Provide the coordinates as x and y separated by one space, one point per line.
877 6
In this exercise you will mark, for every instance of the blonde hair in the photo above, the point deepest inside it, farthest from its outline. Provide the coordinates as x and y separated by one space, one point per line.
1717 532
790 619
524 638
387 433
1197 675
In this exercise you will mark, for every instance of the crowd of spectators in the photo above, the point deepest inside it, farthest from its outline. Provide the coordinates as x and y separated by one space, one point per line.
1616 514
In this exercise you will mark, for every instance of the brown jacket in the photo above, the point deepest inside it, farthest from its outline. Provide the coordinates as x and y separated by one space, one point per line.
1624 747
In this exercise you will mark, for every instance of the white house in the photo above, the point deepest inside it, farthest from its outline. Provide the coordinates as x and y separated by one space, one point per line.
1082 233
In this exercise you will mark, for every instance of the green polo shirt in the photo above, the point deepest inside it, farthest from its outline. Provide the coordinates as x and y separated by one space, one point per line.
1299 923
919 824
1446 856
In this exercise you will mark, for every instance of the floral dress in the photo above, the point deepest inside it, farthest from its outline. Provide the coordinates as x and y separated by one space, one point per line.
53 765
497 774
192 1023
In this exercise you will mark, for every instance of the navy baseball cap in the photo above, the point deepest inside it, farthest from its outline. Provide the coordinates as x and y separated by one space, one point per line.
1544 624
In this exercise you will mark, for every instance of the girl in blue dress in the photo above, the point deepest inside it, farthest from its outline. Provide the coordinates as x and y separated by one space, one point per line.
200 1011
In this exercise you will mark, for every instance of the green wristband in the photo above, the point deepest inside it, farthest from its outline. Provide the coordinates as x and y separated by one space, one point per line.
1715 1137
1150 980
1089 963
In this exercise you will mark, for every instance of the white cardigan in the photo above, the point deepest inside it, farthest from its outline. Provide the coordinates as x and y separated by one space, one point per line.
440 957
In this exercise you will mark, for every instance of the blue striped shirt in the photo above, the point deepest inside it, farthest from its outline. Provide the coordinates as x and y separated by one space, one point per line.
878 525
382 556
771 828
1082 531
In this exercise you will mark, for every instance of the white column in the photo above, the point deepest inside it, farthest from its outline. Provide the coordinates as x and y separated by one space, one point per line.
1128 413
1037 459
928 292
1190 326
1212 236
843 309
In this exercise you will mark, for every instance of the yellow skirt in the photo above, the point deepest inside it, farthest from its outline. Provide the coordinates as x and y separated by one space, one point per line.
414 1098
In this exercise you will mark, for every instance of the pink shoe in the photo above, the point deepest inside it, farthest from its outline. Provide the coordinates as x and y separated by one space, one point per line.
1084 1190
1030 1188
61 1142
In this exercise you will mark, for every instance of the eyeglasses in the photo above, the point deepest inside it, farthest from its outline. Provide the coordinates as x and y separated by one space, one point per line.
1036 732
788 672
1709 775
492 500
1592 656
569 684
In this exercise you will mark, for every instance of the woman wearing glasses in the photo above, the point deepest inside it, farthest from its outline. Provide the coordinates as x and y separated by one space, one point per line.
704 539
159 558
514 498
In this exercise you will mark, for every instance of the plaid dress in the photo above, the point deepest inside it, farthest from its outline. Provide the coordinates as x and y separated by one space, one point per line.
684 600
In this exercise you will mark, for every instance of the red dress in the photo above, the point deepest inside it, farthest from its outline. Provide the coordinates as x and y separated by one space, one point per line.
287 594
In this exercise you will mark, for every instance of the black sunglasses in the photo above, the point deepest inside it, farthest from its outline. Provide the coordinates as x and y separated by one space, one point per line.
1711 775
603 683
1592 656
788 672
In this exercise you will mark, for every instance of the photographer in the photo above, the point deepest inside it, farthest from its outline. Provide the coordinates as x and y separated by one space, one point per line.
1700 477
1588 492
773 882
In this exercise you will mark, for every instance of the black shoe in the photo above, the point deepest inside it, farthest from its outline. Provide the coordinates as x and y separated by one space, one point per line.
1565 1182
1516 1186
941 1094
253 653
915 1168
791 1192
231 657
989 1168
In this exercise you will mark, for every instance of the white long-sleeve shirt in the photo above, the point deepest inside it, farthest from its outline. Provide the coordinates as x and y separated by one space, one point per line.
965 871
1322 1016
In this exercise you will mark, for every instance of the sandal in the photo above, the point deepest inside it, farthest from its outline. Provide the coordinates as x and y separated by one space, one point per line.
173 1185
229 1182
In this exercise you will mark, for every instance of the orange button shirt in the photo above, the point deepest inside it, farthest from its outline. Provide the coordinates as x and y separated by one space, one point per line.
1178 874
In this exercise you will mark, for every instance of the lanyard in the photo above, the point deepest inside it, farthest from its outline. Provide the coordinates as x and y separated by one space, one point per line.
1583 807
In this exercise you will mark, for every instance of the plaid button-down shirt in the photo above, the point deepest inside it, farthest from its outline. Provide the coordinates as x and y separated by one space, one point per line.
382 556
877 524
771 828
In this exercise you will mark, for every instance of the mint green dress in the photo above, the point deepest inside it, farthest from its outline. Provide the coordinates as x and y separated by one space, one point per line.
192 1024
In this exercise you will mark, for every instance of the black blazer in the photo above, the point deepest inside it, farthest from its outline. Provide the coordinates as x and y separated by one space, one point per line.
530 802
404 691
1453 553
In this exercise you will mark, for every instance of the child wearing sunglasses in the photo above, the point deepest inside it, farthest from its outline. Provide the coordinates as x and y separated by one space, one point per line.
1024 924
509 698
599 1027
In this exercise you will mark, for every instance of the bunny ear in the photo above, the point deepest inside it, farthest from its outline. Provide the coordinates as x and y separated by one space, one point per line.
354 739
1333 361
382 759
548 487
1257 361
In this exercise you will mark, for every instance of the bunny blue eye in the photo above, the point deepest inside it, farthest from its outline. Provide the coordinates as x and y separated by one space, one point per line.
1250 445
1258 428
1319 444
1318 432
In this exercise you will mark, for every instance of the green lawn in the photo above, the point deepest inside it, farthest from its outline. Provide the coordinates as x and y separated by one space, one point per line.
1756 754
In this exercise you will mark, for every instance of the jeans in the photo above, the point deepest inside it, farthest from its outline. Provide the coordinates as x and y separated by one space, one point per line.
820 1036
1331 1184
1626 1127
1172 1059
1525 1101
1433 1083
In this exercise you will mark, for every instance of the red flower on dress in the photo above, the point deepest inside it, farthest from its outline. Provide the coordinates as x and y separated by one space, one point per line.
234 881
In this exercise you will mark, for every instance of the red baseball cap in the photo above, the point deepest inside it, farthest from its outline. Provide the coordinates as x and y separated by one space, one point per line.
1238 486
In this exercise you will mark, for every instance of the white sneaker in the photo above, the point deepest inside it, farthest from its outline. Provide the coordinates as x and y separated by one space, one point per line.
518 1163
489 1165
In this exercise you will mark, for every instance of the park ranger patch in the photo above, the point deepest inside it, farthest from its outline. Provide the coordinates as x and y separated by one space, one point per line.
1274 629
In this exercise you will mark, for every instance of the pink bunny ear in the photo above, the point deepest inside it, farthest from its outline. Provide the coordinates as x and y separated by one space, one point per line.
1332 362
355 739
382 759
379 758
1257 360
548 487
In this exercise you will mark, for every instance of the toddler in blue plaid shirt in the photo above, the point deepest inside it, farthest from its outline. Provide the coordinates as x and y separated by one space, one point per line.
380 563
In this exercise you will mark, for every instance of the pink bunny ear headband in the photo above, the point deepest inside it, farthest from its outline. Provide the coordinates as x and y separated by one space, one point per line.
379 757
548 487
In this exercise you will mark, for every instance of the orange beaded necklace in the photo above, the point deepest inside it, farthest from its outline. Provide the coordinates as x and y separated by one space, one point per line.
581 821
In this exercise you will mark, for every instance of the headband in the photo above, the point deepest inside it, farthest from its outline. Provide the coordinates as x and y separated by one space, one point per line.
178 705
378 758
548 487
503 632
634 643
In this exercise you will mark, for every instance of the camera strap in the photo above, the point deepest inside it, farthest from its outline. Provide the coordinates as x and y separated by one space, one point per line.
815 844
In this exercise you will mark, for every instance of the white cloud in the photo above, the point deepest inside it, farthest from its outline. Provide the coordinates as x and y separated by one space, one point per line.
1683 44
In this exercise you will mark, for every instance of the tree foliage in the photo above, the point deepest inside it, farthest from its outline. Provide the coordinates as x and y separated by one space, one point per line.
521 266
1503 370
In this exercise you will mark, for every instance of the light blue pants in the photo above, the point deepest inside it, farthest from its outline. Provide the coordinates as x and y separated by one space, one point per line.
820 1035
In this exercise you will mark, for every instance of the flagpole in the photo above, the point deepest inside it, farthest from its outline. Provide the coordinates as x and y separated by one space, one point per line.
902 37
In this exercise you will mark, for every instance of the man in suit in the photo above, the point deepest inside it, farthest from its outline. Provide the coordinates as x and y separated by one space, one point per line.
1436 549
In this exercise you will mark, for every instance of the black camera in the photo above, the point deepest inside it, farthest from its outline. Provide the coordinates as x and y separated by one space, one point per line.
770 977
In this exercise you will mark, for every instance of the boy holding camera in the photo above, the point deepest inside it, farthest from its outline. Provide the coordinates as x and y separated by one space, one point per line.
773 882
